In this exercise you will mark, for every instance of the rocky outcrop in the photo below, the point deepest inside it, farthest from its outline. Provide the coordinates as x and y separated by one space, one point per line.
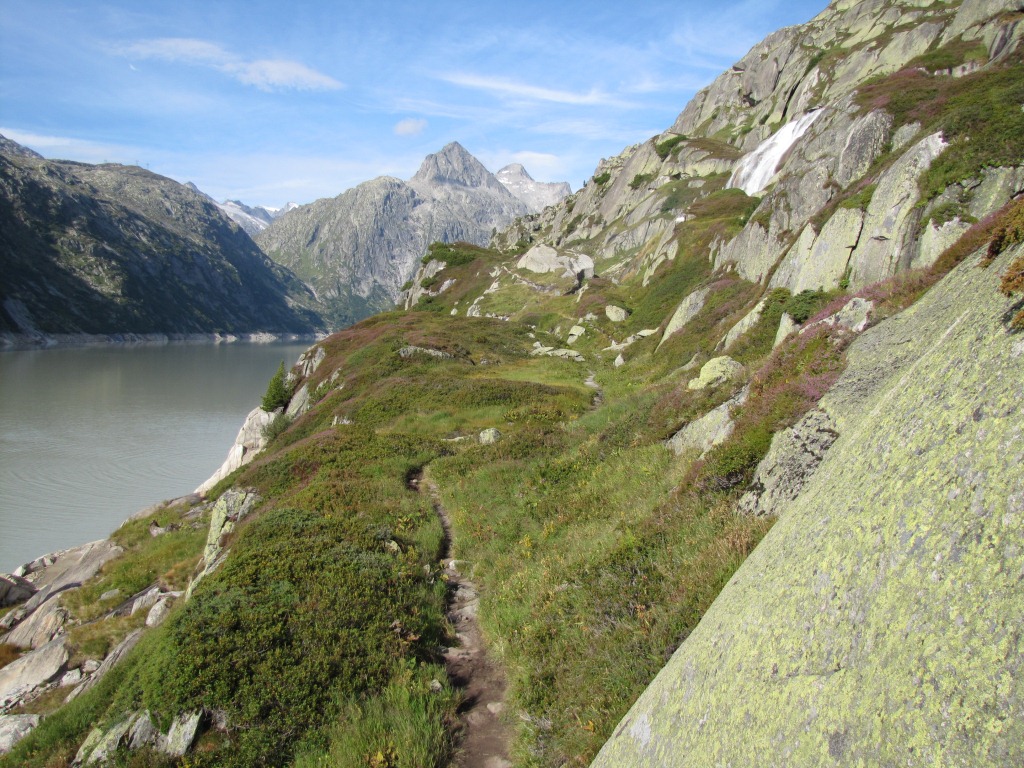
13 728
877 621
794 456
106 249
27 673
249 442
109 662
231 507
711 429
359 248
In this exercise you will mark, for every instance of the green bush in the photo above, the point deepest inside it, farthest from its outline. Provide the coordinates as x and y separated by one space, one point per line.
642 179
665 148
602 178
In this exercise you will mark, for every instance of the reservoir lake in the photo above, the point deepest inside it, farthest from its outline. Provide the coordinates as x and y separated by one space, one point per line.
91 435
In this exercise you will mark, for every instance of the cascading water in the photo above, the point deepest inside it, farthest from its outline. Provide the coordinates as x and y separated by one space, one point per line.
757 168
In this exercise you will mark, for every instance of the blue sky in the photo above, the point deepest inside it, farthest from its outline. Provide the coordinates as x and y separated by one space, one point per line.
270 102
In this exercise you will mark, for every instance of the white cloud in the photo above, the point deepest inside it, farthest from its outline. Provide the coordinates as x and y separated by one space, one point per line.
68 148
265 74
507 88
411 126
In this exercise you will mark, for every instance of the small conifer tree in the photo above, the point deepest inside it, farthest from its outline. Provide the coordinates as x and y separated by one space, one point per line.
277 394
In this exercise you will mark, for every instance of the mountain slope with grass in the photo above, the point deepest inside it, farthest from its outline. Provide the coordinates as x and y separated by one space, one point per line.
110 249
731 488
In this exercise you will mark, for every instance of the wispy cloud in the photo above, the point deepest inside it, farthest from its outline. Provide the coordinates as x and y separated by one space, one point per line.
83 150
411 126
504 88
265 74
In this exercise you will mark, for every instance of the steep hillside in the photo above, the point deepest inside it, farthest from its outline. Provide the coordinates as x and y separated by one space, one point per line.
656 430
359 248
115 250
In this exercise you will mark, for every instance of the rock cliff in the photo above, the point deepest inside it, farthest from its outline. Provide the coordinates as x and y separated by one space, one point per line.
108 249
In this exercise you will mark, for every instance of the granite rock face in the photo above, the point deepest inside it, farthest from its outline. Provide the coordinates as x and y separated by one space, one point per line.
878 622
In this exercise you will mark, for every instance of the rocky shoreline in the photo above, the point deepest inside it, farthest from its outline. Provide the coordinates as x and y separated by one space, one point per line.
19 341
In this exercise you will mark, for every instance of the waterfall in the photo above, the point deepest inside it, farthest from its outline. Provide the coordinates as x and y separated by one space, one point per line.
757 168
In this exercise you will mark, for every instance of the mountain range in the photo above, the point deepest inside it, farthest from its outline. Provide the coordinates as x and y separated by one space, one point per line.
358 249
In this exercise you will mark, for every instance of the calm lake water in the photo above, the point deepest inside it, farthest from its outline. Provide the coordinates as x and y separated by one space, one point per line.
89 436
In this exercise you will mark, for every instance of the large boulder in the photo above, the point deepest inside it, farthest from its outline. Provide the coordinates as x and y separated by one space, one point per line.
31 671
714 372
878 622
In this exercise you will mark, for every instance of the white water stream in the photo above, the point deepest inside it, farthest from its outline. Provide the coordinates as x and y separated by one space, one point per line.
756 169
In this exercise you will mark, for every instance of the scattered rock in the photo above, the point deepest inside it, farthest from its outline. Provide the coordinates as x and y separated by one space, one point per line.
489 436
299 403
159 612
749 321
685 312
616 314
73 677
231 507
13 728
715 371
854 315
575 333
119 652
409 351
619 361
143 733
110 595
104 746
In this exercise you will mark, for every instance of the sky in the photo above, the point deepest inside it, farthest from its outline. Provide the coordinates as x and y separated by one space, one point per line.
276 102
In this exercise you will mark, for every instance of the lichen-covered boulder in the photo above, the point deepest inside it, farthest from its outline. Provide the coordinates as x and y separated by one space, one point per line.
715 371
878 622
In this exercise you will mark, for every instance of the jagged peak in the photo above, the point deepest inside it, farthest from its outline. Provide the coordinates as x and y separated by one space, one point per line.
455 165
514 170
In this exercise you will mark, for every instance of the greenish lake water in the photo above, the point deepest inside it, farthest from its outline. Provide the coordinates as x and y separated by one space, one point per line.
91 435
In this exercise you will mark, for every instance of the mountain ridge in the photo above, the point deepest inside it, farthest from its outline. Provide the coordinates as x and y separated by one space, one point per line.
359 248
112 249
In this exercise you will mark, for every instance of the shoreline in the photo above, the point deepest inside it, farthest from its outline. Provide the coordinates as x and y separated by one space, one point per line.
32 341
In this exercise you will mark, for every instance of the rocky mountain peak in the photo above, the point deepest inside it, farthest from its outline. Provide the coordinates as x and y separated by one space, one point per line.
513 171
455 165
14 149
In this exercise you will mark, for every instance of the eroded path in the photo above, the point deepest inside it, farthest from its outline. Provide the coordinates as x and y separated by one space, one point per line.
484 737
